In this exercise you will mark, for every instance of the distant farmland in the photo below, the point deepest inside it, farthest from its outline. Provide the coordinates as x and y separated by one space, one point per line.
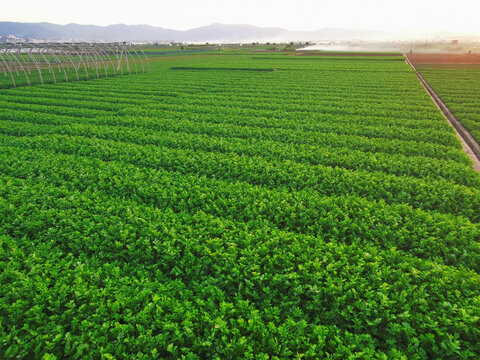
237 206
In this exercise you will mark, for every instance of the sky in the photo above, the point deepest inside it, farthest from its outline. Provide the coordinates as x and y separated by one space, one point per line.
460 16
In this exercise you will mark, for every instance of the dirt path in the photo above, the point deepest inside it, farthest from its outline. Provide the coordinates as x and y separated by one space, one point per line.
469 144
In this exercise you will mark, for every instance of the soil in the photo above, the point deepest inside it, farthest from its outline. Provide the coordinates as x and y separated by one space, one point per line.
443 58
348 54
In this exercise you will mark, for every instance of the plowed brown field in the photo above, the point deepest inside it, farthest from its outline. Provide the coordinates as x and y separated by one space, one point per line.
444 58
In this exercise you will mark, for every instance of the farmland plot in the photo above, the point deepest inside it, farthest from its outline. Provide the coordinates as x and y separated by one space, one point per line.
237 207
459 87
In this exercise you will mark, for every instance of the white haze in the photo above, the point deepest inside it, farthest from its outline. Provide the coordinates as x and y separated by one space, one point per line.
397 17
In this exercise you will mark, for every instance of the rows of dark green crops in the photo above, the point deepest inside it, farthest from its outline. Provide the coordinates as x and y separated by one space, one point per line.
323 210
459 87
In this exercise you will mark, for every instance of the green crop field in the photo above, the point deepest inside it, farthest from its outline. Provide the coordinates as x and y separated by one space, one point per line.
459 87
237 207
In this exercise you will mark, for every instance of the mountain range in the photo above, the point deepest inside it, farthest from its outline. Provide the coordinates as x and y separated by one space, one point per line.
211 33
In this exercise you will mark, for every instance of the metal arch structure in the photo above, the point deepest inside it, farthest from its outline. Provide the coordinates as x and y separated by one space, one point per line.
32 60
19 59
11 59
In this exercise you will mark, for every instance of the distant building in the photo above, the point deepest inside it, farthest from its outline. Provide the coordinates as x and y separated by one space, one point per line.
35 40
12 38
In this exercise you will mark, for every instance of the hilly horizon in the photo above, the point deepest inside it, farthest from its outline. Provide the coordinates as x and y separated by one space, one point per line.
215 32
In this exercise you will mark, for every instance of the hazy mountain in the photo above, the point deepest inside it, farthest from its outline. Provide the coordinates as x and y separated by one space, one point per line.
219 32
116 32
210 33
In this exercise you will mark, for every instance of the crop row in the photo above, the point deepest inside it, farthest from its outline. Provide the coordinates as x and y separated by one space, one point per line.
269 150
439 195
459 88
285 102
441 137
249 129
307 121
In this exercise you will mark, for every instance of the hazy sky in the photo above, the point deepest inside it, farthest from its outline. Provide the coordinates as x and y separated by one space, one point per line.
458 15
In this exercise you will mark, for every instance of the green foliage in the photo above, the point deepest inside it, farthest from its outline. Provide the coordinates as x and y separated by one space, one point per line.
458 86
325 210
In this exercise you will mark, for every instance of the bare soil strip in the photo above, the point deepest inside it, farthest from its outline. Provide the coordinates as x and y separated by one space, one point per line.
444 58
470 145
349 54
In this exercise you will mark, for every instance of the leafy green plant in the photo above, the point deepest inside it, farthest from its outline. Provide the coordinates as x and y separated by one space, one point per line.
325 210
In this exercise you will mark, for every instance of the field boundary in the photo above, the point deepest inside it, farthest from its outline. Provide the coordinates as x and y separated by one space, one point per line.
470 145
